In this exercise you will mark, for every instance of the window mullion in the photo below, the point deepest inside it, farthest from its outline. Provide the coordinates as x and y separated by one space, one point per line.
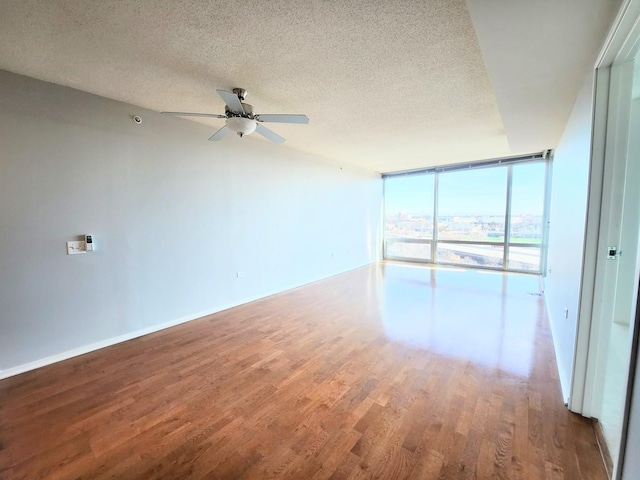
434 239
507 220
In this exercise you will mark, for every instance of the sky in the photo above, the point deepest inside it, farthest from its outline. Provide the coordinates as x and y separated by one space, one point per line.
480 191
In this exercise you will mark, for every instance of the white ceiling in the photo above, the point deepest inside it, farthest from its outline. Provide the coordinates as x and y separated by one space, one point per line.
389 85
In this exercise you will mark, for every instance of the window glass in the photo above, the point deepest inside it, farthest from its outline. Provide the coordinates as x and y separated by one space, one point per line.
470 219
470 254
527 216
472 205
409 207
405 250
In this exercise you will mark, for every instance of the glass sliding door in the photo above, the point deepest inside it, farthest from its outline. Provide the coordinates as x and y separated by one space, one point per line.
527 216
408 223
471 216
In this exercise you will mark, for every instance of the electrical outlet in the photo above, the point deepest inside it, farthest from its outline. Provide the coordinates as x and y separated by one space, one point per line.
566 312
240 274
75 247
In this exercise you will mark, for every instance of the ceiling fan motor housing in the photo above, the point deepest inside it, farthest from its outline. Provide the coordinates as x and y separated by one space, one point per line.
248 111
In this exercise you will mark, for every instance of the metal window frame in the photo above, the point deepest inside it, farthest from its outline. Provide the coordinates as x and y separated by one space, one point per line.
507 220
434 245
544 156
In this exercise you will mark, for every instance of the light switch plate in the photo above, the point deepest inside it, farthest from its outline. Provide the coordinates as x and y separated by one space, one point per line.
76 247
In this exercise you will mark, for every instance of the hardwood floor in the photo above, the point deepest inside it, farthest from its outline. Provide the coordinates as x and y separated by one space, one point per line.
387 372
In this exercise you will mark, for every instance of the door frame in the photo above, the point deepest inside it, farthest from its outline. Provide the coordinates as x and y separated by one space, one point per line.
604 215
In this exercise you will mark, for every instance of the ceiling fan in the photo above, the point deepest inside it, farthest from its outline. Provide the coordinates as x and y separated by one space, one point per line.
241 119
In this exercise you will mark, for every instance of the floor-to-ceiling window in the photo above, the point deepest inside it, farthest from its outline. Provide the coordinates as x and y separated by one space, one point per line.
471 216
490 216
526 225
409 217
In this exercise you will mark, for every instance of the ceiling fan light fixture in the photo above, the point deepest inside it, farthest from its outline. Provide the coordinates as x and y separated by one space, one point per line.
241 125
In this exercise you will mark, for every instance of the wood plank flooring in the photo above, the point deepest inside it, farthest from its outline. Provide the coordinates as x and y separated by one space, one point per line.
387 372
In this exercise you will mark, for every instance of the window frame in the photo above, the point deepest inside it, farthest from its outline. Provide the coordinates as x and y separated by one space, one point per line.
542 157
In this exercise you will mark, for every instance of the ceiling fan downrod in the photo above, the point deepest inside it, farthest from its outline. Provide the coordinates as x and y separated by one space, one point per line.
241 93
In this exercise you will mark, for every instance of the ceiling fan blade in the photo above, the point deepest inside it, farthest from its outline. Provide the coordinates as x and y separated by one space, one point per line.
284 118
271 135
231 100
219 134
189 114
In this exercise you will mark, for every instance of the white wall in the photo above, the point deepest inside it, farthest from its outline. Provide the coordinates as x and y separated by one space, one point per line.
569 190
174 218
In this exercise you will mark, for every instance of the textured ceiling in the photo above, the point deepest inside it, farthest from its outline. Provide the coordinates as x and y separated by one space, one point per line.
389 85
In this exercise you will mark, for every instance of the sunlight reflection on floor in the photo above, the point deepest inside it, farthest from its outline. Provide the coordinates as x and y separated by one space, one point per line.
485 317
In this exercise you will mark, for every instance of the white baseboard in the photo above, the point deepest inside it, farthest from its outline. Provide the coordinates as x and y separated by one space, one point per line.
58 357
75 352
565 383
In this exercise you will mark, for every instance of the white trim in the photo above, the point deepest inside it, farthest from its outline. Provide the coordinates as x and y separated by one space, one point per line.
599 304
620 36
565 382
610 224
592 230
616 49
75 352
